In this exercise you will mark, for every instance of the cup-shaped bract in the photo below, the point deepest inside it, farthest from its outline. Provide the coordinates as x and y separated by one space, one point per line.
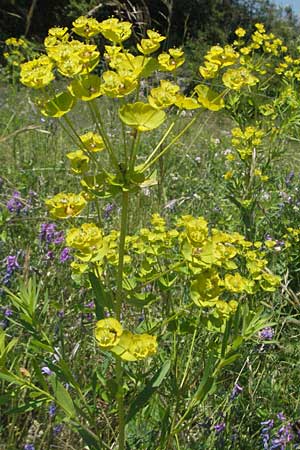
86 88
108 332
208 98
65 205
59 105
141 116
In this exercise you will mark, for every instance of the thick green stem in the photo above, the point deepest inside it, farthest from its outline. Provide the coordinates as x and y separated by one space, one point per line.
118 309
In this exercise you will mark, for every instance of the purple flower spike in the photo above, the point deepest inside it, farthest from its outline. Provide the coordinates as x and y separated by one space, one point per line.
59 237
14 204
90 305
237 389
266 334
29 447
57 429
281 416
52 410
107 210
46 371
219 427
47 232
65 255
8 312
12 263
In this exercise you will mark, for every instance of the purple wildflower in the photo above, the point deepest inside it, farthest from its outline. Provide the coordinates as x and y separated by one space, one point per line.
65 255
58 237
46 371
11 265
12 262
49 255
15 204
90 305
219 427
8 312
281 416
47 232
283 437
57 429
29 447
107 210
265 432
266 334
237 389
52 410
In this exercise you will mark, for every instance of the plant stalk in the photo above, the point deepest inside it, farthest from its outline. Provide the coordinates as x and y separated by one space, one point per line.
118 309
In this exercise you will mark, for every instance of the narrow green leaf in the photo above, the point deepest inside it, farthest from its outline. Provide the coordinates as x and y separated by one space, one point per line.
227 361
102 299
63 397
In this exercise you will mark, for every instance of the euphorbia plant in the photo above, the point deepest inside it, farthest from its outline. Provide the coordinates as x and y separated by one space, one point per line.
141 270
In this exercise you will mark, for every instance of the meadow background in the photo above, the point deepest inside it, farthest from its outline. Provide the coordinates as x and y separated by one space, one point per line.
48 345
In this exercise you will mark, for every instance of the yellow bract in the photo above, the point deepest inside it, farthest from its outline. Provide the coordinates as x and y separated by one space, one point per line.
59 105
240 32
108 332
205 290
16 42
86 27
150 45
79 161
222 57
183 102
115 85
65 205
126 345
163 96
208 98
209 70
37 73
72 57
86 88
132 347
172 60
114 30
84 238
236 79
92 142
141 116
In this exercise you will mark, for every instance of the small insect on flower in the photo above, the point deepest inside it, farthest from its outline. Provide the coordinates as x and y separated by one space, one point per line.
108 332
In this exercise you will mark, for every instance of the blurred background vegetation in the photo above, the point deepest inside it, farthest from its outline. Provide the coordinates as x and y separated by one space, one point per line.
200 22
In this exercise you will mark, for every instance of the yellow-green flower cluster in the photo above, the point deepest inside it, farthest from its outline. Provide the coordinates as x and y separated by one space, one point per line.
217 58
223 265
37 73
246 141
65 205
79 159
128 346
91 246
150 44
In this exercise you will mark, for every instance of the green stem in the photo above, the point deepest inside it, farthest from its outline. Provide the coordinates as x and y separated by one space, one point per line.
97 118
134 150
118 309
182 132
